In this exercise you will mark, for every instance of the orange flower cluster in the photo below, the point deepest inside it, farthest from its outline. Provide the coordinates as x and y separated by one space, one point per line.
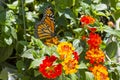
85 20
100 72
96 56
70 65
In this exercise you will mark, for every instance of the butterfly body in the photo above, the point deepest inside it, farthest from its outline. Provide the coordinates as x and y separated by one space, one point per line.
46 27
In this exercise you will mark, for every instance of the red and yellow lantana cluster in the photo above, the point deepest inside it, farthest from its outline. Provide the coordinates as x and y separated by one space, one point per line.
94 54
49 69
68 61
69 57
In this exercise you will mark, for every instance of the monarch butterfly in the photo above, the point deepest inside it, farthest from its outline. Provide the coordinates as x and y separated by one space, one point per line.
46 27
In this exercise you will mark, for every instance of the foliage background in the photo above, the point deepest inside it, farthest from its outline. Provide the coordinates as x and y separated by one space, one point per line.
17 21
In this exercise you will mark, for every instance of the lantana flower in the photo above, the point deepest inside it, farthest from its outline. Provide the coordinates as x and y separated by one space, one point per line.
69 57
95 56
87 20
70 65
49 69
100 72
65 49
94 40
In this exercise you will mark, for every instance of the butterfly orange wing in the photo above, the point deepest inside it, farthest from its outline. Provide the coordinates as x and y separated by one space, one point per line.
45 29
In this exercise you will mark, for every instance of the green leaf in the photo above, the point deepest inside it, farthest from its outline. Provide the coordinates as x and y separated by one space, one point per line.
21 46
61 21
5 52
111 49
38 42
114 73
82 74
101 7
83 66
78 47
89 76
20 65
30 16
64 3
10 18
70 15
112 3
117 14
76 43
13 32
6 29
4 75
1 8
28 54
2 17
78 32
96 1
36 73
36 63
13 5
100 14
118 6
74 77
111 31
8 40
84 5
29 1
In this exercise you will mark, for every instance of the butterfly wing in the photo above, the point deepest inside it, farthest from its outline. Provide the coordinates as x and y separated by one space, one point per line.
45 29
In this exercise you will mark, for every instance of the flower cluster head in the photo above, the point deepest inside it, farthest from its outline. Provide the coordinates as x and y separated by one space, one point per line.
69 57
87 20
49 69
70 65
94 40
65 49
95 56
100 72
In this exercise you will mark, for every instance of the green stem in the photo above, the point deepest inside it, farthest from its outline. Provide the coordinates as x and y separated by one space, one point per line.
108 58
23 14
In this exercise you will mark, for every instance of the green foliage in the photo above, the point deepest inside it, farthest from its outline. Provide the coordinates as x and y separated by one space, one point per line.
111 49
4 75
114 71
5 52
20 49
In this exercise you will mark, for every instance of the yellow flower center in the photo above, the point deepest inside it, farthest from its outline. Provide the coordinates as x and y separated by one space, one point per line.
50 68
